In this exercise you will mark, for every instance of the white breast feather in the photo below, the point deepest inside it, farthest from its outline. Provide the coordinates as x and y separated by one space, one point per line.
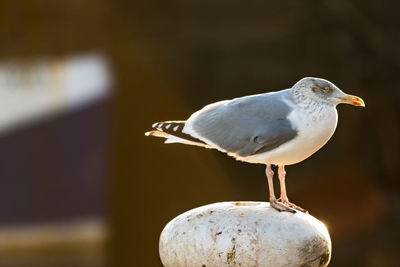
313 133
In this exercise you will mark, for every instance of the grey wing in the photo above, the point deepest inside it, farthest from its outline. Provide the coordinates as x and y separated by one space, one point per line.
245 126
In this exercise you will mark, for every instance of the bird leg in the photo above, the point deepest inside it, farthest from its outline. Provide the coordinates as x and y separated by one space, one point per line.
284 199
272 200
282 176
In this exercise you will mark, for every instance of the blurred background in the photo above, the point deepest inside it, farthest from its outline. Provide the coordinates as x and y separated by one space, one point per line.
81 81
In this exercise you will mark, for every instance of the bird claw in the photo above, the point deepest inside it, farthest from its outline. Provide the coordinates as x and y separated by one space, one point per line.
291 205
279 206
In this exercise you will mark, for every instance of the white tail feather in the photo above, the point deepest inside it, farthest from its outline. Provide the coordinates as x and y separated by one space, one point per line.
170 139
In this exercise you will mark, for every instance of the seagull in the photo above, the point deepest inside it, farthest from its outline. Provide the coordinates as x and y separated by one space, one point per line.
276 128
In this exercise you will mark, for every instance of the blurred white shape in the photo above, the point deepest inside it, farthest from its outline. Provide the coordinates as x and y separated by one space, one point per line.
36 89
72 243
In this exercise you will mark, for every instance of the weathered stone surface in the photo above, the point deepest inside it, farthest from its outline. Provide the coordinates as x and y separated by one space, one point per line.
244 234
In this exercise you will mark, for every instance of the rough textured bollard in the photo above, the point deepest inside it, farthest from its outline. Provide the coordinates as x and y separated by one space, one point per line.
244 234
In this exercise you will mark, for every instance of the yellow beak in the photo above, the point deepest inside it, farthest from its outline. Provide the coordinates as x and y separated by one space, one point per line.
352 100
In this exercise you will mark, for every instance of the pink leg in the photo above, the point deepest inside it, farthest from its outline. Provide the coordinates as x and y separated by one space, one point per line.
282 176
284 199
272 199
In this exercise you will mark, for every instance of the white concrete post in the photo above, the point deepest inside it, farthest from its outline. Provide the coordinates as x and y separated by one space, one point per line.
244 234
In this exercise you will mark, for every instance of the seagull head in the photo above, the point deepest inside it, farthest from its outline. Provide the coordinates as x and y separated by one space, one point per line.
323 91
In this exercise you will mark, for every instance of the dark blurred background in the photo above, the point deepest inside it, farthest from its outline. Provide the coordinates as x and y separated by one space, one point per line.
92 171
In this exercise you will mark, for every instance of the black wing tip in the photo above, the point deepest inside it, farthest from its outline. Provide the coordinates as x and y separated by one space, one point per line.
172 128
166 127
